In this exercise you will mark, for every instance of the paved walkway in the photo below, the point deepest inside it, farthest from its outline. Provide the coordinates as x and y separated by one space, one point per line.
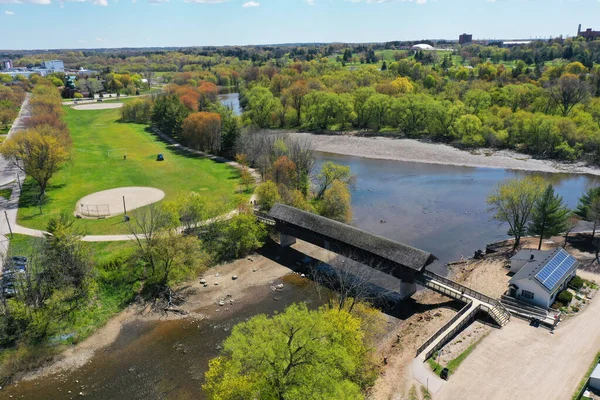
12 205
8 179
523 362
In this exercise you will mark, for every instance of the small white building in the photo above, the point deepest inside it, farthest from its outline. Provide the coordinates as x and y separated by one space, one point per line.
541 275
595 379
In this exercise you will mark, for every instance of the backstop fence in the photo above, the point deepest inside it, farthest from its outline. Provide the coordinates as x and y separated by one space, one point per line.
94 210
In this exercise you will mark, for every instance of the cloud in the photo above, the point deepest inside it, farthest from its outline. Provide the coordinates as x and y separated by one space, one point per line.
251 4
99 39
9 12
389 1
205 1
158 1
25 1
310 2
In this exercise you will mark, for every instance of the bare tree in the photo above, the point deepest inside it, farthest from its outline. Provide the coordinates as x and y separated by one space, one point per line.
349 282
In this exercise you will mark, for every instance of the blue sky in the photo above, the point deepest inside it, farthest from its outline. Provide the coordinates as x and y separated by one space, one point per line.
44 24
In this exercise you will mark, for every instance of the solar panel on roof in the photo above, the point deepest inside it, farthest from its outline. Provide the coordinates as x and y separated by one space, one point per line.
555 269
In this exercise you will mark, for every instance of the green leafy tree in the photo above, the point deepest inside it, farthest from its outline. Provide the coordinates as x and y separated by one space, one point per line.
335 203
262 106
267 194
240 236
549 217
329 173
513 201
168 114
296 355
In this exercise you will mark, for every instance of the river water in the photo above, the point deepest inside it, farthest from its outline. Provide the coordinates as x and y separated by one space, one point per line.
437 208
232 101
440 209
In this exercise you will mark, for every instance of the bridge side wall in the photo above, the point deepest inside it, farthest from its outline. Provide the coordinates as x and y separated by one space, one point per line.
288 235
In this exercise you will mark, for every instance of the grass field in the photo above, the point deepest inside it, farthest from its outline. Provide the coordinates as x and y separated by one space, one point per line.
91 170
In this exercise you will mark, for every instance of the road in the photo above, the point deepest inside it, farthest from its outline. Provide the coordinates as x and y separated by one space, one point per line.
8 176
522 362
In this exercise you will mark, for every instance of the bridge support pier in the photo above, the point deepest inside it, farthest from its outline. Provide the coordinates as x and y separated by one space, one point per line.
286 240
407 289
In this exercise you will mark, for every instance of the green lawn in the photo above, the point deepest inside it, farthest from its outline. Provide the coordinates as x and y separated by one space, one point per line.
23 245
5 193
91 170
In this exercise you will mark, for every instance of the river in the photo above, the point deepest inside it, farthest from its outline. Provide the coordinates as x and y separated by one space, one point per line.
232 101
440 209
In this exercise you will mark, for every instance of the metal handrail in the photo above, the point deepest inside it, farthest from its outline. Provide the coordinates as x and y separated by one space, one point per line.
470 292
452 332
442 329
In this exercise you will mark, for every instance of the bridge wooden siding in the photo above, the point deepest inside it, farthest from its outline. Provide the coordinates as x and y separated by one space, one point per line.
396 259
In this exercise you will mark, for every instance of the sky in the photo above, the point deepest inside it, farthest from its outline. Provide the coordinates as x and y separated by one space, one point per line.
63 24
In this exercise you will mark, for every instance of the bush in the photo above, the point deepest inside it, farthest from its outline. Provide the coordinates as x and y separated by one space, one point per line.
78 96
565 297
576 282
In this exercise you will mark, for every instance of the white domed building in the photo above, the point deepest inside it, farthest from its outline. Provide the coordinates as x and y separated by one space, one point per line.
423 47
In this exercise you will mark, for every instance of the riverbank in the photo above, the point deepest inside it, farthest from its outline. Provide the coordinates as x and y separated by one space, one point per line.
386 148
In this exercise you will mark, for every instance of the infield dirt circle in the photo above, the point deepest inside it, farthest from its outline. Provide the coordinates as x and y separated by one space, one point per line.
97 106
110 202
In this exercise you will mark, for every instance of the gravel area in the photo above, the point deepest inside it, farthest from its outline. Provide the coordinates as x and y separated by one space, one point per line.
110 202
436 153
97 106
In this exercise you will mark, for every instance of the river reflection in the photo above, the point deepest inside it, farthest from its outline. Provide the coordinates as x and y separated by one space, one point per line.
441 209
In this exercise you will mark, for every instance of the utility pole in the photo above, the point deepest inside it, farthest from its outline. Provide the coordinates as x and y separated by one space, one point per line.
124 208
8 222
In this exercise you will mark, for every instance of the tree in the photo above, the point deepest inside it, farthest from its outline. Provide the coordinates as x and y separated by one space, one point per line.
38 152
267 194
567 92
296 92
241 235
549 216
298 354
202 131
347 282
168 114
261 106
335 203
512 201
585 201
66 262
329 173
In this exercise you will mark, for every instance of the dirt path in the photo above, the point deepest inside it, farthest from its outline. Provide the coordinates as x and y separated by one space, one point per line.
97 106
520 361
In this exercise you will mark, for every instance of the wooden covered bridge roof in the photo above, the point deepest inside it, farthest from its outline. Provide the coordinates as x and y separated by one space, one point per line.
353 239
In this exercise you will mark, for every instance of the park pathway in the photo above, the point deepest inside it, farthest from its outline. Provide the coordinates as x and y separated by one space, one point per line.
11 206
8 180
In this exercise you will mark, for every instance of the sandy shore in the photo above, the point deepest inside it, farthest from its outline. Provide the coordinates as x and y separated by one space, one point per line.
436 153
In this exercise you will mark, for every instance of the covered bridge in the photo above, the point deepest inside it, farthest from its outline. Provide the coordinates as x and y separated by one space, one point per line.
399 260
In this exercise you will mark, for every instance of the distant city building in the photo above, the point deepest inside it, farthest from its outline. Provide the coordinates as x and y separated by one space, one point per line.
540 275
47 67
588 34
422 46
7 64
53 65
465 38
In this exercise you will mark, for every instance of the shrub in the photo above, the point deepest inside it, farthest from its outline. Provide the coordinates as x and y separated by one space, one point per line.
576 282
565 297
78 96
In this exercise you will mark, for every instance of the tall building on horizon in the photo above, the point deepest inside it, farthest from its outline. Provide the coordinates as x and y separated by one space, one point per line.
465 38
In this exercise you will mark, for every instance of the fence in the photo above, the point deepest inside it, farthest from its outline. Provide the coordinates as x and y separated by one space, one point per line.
99 210
442 329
